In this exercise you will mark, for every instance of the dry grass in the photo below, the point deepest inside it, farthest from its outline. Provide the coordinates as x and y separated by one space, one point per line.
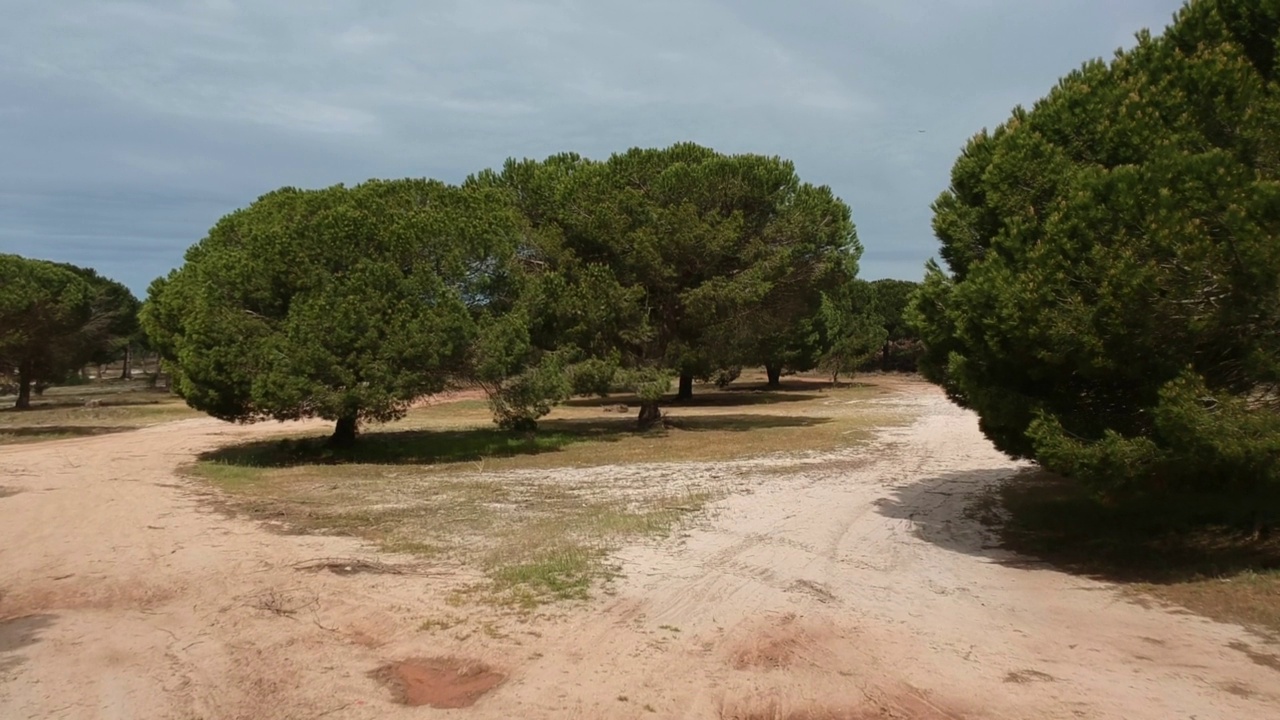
93 409
445 484
534 539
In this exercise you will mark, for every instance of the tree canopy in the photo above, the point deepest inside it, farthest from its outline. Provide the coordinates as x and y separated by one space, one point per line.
1111 306
342 303
674 262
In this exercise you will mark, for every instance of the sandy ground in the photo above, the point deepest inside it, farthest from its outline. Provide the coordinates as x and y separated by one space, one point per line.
855 587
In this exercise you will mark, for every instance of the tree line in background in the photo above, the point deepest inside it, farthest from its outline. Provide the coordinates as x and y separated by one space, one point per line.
56 318
540 281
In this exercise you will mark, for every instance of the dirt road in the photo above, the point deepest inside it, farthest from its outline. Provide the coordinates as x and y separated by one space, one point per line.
855 587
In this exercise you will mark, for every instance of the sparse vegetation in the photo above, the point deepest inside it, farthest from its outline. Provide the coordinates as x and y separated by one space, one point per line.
455 489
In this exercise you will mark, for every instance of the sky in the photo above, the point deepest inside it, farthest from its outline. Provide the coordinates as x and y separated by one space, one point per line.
127 128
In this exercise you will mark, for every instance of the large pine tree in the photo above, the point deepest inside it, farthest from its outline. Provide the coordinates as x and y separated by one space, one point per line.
1113 302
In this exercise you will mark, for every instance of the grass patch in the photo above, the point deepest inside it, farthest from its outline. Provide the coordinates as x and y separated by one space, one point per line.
535 539
1202 553
88 410
445 483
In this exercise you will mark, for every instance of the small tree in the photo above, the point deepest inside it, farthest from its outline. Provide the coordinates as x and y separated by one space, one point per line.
343 304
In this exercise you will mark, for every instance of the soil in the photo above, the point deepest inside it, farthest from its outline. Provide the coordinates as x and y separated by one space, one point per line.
854 585
444 683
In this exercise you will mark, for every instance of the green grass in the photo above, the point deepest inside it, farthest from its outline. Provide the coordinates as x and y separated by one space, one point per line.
1200 552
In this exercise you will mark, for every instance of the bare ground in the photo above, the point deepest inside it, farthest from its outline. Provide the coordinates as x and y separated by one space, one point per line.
854 585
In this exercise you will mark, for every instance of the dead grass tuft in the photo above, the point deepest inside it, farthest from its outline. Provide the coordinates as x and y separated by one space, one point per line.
1025 677
283 603
349 566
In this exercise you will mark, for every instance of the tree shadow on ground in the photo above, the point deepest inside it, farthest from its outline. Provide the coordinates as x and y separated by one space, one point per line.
430 447
1033 518
717 398
18 633
797 384
792 390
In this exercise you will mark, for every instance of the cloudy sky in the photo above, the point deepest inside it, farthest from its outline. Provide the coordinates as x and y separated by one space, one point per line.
127 128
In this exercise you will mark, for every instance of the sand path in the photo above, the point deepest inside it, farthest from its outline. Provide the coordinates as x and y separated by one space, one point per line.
855 587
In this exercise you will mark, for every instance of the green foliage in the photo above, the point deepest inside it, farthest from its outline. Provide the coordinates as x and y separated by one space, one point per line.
54 318
854 331
341 303
670 261
113 322
887 301
42 308
1112 304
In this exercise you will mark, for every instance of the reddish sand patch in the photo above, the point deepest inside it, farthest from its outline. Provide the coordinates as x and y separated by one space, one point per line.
443 683
780 644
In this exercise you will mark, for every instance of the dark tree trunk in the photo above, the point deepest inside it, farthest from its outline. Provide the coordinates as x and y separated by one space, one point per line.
649 415
127 372
775 375
344 433
686 387
884 357
24 389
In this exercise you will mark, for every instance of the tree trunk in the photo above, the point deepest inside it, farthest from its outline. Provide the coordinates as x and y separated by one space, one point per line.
686 387
127 372
344 433
649 415
884 357
24 389
775 375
